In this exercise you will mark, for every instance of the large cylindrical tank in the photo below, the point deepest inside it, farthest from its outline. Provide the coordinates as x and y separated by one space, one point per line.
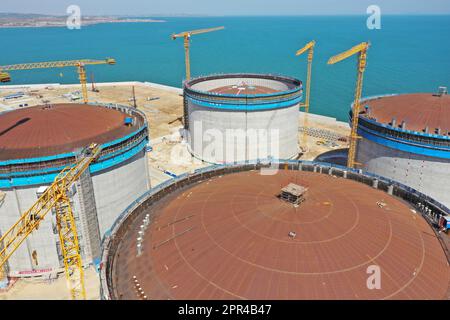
38 142
227 232
237 117
407 138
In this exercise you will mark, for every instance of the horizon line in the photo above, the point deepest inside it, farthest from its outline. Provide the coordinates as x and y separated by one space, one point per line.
182 15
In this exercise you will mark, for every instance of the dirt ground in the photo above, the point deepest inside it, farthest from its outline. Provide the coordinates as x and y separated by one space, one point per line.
313 149
34 289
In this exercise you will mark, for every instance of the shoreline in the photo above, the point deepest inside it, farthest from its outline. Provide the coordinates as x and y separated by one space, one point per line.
86 23
99 84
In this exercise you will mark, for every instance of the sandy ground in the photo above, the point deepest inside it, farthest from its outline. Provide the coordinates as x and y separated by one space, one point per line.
325 123
35 289
163 108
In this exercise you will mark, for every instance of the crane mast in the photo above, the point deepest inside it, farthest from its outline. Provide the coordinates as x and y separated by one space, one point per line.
82 77
361 50
310 48
55 197
186 35
79 64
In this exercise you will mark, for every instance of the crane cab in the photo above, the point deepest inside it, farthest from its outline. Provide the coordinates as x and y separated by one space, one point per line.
5 77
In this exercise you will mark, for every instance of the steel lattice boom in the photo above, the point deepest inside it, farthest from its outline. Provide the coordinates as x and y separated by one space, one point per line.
310 48
79 64
187 35
55 197
360 49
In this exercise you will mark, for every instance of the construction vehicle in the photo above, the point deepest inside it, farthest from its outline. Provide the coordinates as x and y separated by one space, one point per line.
361 50
187 36
56 198
310 48
79 64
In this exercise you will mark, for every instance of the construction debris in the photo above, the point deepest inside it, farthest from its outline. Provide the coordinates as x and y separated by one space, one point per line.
381 204
328 135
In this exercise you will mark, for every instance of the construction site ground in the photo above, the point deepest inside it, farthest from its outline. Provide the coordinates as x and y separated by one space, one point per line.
39 289
163 107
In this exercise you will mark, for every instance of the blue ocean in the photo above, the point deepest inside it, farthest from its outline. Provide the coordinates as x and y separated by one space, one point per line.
408 53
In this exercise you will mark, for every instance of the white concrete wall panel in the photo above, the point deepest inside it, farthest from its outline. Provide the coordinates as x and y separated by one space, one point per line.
429 175
245 127
114 189
118 187
208 125
43 240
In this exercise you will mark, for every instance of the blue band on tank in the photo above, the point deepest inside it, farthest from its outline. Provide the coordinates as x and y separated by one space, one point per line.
404 145
69 154
247 107
47 178
251 96
58 169
416 133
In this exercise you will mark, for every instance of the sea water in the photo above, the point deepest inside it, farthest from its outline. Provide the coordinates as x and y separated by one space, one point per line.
408 53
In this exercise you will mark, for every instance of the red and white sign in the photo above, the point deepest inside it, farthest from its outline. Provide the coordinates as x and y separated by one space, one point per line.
30 272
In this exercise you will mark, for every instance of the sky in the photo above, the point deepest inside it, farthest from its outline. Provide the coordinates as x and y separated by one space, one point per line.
226 7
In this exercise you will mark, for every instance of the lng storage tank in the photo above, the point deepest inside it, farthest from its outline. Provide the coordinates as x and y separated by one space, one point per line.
37 143
228 232
407 138
237 117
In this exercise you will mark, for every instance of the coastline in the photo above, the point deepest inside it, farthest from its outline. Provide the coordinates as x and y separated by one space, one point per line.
85 23
99 84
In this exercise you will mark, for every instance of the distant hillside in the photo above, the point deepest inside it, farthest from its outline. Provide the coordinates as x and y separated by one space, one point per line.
6 15
15 20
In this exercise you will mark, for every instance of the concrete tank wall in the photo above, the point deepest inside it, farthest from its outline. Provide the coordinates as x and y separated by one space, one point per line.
113 181
234 127
43 240
114 189
239 135
428 175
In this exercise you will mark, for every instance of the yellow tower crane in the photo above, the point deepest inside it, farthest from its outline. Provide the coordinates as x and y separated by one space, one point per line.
55 197
360 49
79 64
310 48
187 36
